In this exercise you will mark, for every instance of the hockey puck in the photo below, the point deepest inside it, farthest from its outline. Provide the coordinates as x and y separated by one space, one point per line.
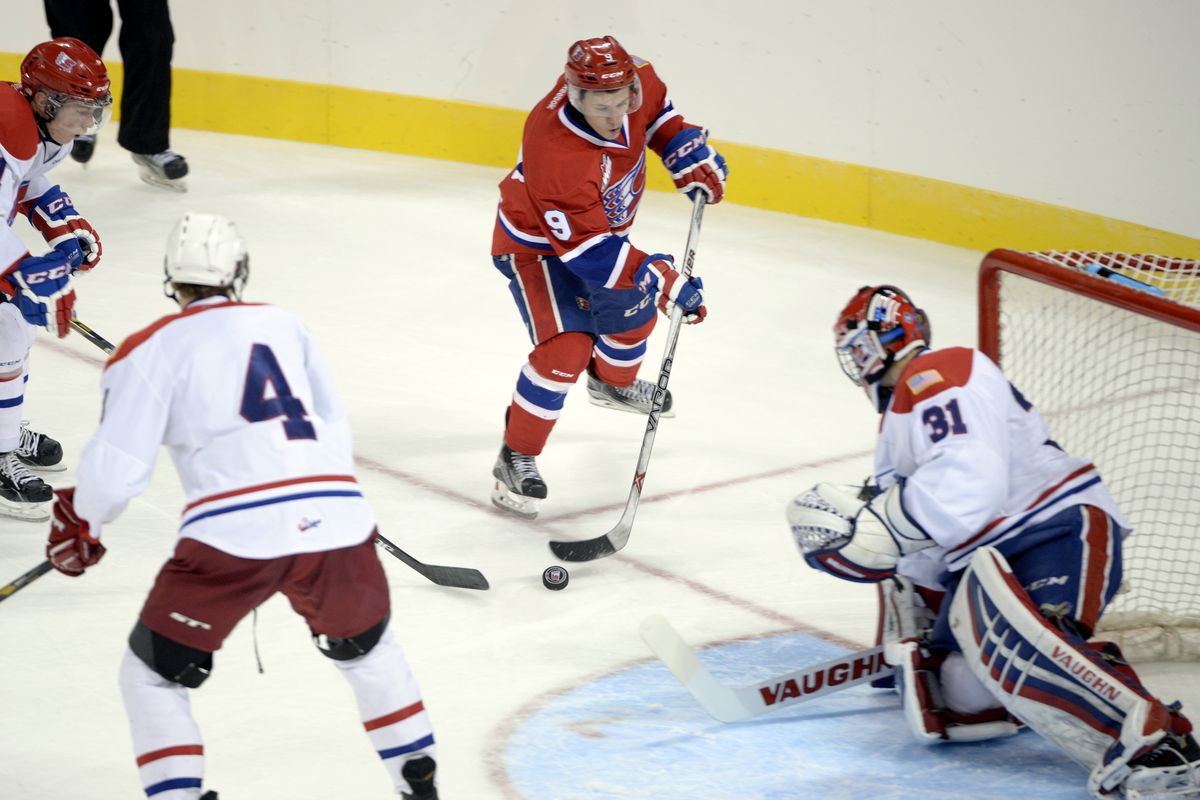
555 578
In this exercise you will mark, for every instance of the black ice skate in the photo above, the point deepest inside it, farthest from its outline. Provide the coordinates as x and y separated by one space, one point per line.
420 773
1171 769
518 485
39 452
83 148
23 495
210 795
635 399
165 169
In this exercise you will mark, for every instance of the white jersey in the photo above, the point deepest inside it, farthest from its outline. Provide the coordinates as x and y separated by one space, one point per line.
25 158
978 463
240 397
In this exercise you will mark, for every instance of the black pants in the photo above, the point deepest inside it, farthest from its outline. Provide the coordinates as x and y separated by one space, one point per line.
146 41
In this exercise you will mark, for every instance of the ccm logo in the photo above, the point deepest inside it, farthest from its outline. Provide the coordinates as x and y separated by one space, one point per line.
608 75
688 147
52 274
645 302
58 204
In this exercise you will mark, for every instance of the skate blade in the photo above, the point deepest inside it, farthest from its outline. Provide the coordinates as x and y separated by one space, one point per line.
604 402
178 185
26 512
59 467
521 506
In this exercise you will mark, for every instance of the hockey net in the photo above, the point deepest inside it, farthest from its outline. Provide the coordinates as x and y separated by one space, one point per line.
1114 367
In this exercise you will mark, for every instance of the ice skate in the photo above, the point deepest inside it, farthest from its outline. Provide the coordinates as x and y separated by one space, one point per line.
166 169
39 452
210 795
636 399
420 774
83 148
1170 771
23 495
518 485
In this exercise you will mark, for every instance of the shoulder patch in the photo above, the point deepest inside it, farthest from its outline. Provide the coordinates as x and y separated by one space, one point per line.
925 379
931 373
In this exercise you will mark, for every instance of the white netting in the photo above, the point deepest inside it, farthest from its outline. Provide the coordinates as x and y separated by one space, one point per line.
1123 389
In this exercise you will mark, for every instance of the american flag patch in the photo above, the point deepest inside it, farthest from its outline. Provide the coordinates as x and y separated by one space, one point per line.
923 380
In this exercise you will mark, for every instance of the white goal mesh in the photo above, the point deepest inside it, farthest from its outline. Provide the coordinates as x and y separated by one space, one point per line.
1116 373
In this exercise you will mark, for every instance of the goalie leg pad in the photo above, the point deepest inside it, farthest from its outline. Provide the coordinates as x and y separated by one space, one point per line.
1049 678
930 714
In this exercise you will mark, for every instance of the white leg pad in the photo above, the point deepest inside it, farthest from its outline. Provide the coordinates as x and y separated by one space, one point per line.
1049 679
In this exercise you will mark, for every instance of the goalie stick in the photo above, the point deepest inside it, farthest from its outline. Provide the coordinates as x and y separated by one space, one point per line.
739 703
92 336
26 579
457 577
615 539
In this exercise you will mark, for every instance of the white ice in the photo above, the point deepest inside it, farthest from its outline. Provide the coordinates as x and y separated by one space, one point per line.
386 259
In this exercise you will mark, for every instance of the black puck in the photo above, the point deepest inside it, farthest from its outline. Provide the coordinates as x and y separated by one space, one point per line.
555 578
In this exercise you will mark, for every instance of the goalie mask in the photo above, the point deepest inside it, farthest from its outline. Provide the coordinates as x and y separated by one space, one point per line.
206 250
601 65
879 326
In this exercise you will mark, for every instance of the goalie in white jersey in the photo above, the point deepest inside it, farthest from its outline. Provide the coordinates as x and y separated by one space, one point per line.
244 404
998 552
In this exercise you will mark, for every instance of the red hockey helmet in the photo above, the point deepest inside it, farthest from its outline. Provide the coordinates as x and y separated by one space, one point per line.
67 70
601 65
879 326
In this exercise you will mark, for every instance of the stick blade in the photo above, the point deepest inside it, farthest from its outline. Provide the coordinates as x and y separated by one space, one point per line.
456 577
591 549
723 703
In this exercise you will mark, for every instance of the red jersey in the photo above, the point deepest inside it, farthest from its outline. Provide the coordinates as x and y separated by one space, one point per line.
574 194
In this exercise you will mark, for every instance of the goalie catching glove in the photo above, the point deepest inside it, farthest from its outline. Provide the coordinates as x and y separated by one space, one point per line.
856 541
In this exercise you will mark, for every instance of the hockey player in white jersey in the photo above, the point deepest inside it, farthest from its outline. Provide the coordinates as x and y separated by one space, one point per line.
63 93
239 395
975 500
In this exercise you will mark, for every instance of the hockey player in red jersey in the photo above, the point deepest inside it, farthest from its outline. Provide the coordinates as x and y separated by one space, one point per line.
63 93
587 295
240 396
1013 544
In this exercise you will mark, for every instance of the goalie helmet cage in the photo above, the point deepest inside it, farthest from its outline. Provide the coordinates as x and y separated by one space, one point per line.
1114 367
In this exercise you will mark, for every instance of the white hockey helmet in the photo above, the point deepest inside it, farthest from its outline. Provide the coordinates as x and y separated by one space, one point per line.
206 250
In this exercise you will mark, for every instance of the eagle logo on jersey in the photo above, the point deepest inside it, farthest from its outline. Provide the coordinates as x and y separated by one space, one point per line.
620 201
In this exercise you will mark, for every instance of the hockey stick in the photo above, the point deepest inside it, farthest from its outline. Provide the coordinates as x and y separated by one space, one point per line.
92 336
616 538
735 704
26 579
458 577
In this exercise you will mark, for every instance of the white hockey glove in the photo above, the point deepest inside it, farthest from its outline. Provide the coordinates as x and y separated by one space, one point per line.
850 539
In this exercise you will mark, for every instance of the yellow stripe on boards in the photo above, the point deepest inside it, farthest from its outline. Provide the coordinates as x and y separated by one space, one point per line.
761 177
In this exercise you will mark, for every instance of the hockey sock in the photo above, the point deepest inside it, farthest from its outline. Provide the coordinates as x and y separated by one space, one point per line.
617 356
553 367
166 739
389 702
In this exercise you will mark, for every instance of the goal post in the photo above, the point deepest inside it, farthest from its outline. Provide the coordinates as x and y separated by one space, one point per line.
1107 346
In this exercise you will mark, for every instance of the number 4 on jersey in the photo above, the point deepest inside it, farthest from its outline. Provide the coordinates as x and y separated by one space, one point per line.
267 396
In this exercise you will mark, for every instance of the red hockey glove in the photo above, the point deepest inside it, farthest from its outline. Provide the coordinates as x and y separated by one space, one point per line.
71 549
695 166
657 275
55 216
